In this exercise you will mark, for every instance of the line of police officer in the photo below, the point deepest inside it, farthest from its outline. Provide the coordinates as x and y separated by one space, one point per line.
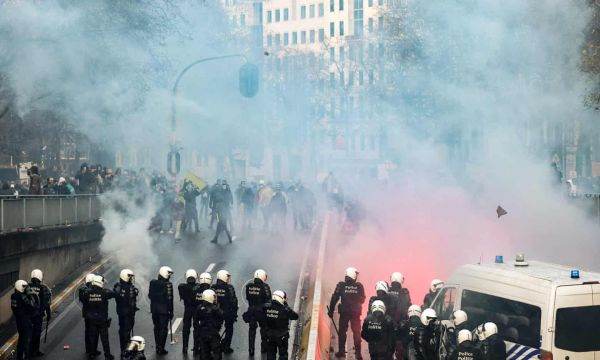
207 307
395 327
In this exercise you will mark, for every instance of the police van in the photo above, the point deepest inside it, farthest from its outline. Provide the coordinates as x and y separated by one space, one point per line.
542 310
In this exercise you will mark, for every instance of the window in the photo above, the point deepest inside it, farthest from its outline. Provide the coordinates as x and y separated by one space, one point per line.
331 5
381 50
358 17
577 329
311 11
312 36
342 78
269 40
342 54
380 23
351 78
286 39
512 317
331 29
444 303
294 38
371 77
286 14
332 80
361 77
380 2
332 53
277 39
277 15
321 10
370 24
351 53
269 16
303 12
342 5
370 3
341 28
242 19
321 35
303 37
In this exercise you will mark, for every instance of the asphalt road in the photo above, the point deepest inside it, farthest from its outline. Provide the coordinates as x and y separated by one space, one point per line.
280 256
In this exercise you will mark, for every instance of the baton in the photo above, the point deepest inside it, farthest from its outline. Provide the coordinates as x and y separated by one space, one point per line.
334 325
46 334
171 328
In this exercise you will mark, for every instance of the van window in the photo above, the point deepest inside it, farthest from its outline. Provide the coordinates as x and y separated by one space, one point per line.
578 329
517 322
444 303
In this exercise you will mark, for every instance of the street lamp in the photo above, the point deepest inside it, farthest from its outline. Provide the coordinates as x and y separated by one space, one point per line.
248 87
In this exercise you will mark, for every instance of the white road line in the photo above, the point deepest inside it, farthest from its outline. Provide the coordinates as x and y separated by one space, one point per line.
210 267
176 324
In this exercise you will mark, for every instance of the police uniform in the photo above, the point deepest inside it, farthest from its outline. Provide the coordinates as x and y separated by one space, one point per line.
351 295
96 312
276 318
402 296
45 299
409 331
160 294
493 348
24 305
258 293
228 302
87 338
190 293
126 297
428 299
379 332
466 351
426 342
208 321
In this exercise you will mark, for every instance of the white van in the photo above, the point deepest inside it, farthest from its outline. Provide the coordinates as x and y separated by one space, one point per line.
542 310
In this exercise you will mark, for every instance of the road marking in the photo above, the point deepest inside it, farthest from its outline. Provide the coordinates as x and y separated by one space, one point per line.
175 325
210 267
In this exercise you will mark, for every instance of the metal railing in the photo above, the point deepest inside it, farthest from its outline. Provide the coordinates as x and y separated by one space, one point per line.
31 212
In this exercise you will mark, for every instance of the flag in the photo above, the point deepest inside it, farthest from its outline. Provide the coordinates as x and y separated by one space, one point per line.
194 179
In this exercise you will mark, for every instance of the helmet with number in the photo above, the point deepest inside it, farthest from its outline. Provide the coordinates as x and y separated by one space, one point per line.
224 276
378 306
414 310
352 273
98 281
459 317
489 329
428 316
209 296
137 343
20 285
191 273
205 278
89 277
127 275
397 277
436 284
464 335
37 274
165 272
382 286
280 296
261 275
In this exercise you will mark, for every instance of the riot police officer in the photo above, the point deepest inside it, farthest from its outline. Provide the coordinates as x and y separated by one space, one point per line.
449 332
379 332
96 311
126 298
465 349
160 294
87 338
491 344
45 296
390 301
434 288
135 349
402 296
257 293
204 282
409 330
277 316
208 321
23 303
191 293
228 302
426 336
351 295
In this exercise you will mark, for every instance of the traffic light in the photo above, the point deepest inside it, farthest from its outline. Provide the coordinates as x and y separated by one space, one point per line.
249 80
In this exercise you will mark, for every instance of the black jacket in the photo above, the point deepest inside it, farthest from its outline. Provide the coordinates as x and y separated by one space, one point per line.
390 301
45 297
24 305
226 298
493 348
351 295
466 351
408 331
190 293
379 332
133 355
95 302
428 299
277 319
426 342
81 295
160 294
258 293
126 297
208 319
404 301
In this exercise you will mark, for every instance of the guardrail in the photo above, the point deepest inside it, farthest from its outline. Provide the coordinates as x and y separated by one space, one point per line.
31 212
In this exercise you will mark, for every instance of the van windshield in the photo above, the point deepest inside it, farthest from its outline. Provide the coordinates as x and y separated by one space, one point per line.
578 329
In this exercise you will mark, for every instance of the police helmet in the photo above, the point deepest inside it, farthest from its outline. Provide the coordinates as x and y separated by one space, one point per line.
209 296
224 276
397 277
260 274
428 316
464 335
352 273
378 305
458 317
137 343
191 273
205 278
414 310
381 286
20 285
436 284
37 274
127 275
89 277
279 296
165 272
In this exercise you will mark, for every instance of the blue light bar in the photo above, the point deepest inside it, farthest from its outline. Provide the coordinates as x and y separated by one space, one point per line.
574 274
499 259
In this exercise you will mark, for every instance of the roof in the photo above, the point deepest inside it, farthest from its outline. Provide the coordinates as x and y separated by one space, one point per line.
538 270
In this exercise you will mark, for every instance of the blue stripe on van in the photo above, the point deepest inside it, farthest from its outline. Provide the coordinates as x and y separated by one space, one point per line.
520 352
512 349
